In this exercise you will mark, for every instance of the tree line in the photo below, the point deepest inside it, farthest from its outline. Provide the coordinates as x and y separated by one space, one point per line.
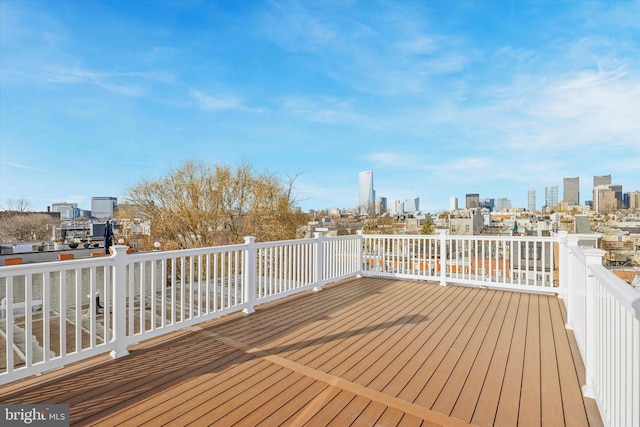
195 205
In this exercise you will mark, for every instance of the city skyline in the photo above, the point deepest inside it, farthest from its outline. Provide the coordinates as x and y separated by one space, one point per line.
440 99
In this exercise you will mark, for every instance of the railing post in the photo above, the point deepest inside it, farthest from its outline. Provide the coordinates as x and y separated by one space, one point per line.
249 275
592 257
443 257
562 265
319 267
570 300
119 310
360 254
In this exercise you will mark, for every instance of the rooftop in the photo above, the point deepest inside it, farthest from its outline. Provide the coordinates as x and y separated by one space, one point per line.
363 351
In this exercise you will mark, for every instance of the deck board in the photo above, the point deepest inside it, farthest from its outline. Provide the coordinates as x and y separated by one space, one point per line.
361 352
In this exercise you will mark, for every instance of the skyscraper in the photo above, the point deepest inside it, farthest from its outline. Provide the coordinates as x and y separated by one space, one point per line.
571 191
551 196
601 180
453 203
366 194
604 199
531 199
472 201
412 205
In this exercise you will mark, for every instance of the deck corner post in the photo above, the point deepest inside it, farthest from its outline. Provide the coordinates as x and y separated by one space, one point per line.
249 275
119 290
572 265
443 257
319 261
562 264
592 257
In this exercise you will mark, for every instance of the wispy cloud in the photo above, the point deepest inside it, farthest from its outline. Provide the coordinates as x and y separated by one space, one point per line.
25 167
321 109
220 102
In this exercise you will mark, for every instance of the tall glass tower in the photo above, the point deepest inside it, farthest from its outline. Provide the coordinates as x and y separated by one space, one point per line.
531 199
366 193
551 196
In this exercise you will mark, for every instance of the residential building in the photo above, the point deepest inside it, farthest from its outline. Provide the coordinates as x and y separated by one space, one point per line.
572 191
366 193
467 222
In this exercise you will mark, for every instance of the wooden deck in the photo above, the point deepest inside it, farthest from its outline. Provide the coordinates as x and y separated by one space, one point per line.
362 352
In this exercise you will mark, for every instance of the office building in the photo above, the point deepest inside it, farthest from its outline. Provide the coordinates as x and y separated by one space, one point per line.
381 205
472 201
453 203
601 180
634 200
604 199
502 204
488 204
531 200
412 205
551 196
396 208
68 211
617 189
571 193
103 207
366 193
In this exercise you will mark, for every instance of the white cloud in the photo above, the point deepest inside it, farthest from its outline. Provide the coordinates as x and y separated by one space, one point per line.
216 103
321 109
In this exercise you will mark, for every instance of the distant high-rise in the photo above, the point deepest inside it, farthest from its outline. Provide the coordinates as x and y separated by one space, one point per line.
366 194
551 196
601 180
501 204
604 199
572 191
103 207
472 201
617 189
453 203
381 205
412 205
67 210
531 200
634 200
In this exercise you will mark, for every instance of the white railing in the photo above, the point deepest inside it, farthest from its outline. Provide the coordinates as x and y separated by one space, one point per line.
51 315
517 263
604 313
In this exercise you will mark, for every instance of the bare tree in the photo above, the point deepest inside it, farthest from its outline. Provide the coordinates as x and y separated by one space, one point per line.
22 227
200 205
19 205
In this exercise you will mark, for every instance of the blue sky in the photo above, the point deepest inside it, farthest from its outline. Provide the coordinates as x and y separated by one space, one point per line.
437 98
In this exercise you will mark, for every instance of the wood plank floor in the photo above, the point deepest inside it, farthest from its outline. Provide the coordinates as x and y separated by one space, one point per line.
362 352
